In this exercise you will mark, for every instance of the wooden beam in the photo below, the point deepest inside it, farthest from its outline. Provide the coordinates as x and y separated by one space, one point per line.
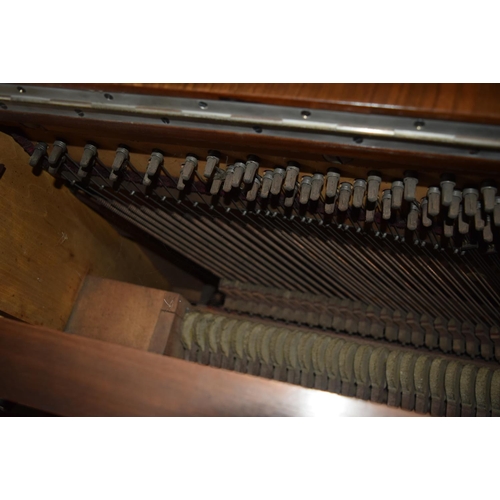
108 134
75 376
130 315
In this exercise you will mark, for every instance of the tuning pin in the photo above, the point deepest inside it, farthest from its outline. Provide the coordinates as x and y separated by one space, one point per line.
190 165
180 184
424 207
410 186
397 194
487 231
239 170
434 197
463 224
386 204
358 193
332 182
316 187
344 196
88 157
58 151
217 181
329 208
38 153
121 156
278 177
369 215
154 163
448 228
412 217
455 204
305 189
252 193
496 212
251 167
373 188
478 218
489 192
470 201
292 173
447 187
212 162
228 181
267 182
290 197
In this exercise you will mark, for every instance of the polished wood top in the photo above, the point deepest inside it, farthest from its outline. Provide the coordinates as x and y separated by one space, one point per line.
75 376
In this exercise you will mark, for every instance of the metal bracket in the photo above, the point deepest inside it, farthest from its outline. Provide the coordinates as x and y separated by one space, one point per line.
342 128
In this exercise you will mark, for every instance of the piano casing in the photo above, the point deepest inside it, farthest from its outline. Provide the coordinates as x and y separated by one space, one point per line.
341 238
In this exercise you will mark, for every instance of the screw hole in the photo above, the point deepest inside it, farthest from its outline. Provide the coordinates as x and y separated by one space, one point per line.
305 114
258 129
419 124
109 97
474 152
21 90
203 105
165 120
2 105
357 139
79 112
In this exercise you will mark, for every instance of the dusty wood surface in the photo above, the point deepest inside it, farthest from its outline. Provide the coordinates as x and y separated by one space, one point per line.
75 376
477 102
130 315
49 242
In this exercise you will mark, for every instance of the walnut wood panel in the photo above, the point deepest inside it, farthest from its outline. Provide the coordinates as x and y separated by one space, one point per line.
180 141
74 376
130 315
49 242
475 102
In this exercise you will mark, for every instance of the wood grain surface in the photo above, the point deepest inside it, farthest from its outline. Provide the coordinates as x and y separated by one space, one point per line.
49 242
478 103
71 375
175 140
475 102
130 315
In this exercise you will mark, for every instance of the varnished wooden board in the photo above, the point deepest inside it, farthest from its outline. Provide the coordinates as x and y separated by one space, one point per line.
180 141
49 242
71 375
475 102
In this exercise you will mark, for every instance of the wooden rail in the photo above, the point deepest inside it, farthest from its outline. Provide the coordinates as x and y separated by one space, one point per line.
75 376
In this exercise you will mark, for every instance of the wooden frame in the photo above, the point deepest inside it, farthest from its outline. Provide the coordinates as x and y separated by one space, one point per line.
71 375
